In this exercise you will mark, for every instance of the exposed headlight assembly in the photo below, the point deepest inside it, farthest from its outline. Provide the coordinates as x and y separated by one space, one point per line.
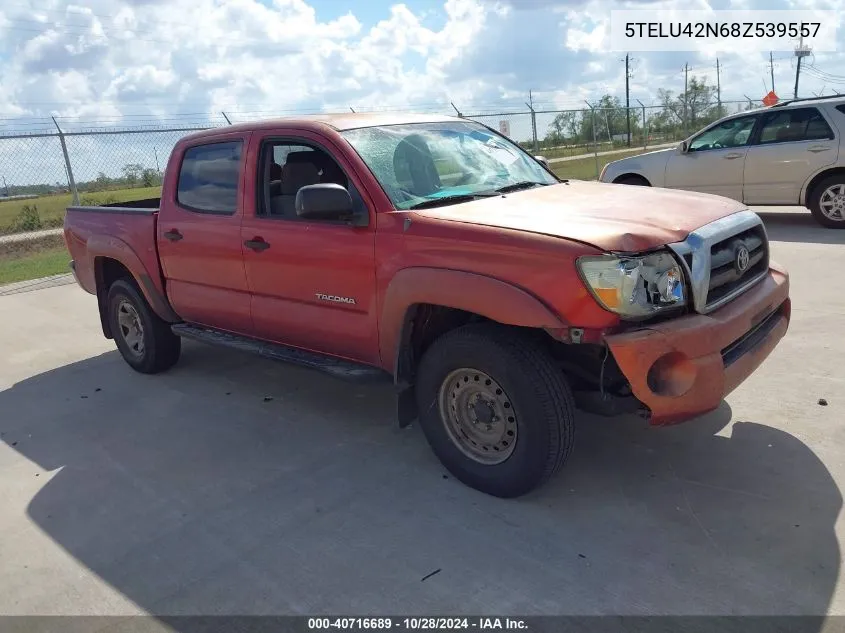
637 286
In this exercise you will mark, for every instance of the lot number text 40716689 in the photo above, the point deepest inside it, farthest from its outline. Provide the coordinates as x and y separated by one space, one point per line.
417 624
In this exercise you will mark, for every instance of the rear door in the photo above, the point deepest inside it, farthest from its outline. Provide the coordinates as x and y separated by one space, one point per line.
714 160
790 146
312 282
199 235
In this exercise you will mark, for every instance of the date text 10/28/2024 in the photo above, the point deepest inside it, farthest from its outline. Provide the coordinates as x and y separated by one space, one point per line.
417 624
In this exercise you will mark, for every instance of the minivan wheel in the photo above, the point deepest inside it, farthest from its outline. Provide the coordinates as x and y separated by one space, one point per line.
146 342
495 409
827 202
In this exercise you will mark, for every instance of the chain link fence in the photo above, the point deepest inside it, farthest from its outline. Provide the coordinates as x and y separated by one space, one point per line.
42 173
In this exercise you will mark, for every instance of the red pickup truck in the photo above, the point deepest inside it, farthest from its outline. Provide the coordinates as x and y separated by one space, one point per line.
434 252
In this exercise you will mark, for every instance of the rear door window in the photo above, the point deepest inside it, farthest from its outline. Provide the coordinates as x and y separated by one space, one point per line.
790 126
209 176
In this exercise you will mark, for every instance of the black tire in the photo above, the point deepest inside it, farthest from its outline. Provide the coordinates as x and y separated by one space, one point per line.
632 180
161 347
815 200
536 389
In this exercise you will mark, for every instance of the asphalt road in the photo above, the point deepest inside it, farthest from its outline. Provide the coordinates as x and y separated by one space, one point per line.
193 493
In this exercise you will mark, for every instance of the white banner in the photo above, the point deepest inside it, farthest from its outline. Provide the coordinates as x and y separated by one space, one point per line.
647 30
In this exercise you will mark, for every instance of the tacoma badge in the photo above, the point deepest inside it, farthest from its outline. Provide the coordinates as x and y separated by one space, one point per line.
335 298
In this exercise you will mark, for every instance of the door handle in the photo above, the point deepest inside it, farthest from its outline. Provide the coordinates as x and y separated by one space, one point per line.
257 244
818 148
732 156
173 235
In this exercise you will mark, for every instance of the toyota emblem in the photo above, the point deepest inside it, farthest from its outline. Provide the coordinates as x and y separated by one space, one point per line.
742 258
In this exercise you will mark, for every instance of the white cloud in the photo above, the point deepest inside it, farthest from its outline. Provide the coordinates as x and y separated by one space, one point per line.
587 40
161 57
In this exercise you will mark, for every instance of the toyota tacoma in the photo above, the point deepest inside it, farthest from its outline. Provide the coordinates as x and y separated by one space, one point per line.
437 254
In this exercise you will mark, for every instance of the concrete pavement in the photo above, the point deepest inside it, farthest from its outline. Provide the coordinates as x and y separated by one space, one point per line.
232 484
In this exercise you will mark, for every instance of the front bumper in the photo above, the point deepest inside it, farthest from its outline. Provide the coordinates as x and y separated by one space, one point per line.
683 368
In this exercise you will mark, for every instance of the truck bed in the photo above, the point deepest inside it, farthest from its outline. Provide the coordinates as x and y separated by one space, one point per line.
125 231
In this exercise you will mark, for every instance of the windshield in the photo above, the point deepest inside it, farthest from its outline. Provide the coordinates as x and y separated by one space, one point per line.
422 164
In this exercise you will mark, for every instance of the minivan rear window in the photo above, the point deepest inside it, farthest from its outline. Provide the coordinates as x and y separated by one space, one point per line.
209 176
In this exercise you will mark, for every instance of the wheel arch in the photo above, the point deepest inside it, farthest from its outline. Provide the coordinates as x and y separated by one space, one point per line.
422 304
114 259
818 178
631 175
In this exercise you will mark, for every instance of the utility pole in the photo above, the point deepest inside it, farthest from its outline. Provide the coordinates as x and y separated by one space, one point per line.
772 69
800 52
686 76
718 89
628 97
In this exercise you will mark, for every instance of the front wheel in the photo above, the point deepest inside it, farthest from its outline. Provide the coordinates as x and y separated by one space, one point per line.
146 342
827 202
495 408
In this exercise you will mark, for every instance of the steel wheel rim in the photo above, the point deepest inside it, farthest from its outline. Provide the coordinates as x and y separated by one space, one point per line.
478 416
131 328
832 202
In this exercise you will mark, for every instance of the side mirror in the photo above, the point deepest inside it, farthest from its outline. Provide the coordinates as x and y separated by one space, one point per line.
543 161
327 201
682 147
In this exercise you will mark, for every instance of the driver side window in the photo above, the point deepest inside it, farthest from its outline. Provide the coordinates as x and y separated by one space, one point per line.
286 167
730 133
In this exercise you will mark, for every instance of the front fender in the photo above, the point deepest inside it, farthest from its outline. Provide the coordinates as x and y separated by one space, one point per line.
486 296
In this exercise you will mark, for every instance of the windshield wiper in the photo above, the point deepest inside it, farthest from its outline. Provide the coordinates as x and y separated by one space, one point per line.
453 199
524 184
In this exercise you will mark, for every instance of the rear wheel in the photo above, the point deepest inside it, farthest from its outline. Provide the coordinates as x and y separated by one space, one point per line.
495 409
146 342
827 202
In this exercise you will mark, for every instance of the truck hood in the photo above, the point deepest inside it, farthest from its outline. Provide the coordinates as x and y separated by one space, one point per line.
610 217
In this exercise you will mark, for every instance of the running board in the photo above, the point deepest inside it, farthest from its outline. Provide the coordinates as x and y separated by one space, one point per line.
337 367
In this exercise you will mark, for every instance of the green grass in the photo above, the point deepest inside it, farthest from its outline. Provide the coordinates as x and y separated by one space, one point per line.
574 150
51 209
34 264
585 168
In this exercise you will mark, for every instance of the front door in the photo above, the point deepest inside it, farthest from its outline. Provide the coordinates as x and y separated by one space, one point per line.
713 162
199 237
792 146
312 282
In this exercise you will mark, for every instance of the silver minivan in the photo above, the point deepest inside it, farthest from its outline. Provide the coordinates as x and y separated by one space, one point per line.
787 154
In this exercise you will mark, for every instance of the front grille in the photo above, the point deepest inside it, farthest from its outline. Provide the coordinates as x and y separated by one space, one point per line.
725 274
710 255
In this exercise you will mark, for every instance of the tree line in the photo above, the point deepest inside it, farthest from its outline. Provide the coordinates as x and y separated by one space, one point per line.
678 116
131 175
